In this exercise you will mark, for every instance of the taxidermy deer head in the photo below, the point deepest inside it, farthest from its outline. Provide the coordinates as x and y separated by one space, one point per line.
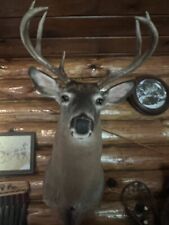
74 178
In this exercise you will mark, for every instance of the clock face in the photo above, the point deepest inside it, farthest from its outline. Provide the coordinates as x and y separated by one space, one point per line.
151 93
150 96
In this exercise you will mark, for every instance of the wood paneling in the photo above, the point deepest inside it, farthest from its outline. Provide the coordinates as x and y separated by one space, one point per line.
45 110
15 83
90 28
16 68
154 179
111 210
112 213
86 7
81 46
83 26
117 158
117 132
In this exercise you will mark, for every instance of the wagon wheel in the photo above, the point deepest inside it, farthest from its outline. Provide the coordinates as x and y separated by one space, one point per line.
139 204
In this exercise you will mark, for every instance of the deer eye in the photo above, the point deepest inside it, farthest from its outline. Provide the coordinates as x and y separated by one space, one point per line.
65 98
99 101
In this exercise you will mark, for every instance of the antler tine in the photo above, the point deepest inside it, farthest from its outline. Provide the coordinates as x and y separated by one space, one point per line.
32 4
138 39
61 66
140 58
35 52
38 47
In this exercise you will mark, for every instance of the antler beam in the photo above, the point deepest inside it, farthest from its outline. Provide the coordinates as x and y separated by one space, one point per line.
36 51
140 58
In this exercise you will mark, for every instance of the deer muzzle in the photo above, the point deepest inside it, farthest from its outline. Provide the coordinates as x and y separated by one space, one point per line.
81 126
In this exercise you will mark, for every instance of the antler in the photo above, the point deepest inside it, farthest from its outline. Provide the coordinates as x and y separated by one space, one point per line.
35 52
140 58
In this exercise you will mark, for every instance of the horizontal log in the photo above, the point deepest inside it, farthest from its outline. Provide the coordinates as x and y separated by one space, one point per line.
126 112
16 83
87 46
156 180
112 213
115 181
23 91
83 67
130 157
43 136
120 165
17 89
83 7
118 132
83 26
46 110
149 132
29 110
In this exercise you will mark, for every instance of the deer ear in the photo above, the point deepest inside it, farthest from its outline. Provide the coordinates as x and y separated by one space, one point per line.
119 92
45 84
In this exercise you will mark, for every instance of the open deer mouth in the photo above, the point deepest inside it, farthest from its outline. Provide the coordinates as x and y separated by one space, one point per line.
81 126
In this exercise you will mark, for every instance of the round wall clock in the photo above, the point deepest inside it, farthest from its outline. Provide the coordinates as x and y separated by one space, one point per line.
150 95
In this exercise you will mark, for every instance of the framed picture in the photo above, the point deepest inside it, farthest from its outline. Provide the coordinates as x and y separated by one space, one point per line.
17 153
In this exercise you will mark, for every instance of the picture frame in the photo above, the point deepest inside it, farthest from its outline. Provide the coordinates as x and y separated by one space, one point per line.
17 153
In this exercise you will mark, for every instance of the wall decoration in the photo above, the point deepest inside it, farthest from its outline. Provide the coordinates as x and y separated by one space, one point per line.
17 155
142 210
150 96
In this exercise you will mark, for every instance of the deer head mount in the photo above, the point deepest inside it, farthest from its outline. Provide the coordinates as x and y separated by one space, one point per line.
74 177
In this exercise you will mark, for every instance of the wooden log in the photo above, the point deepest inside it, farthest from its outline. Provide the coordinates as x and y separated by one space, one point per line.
15 84
126 112
114 159
118 132
46 110
86 7
132 157
22 89
44 136
84 67
131 132
17 89
29 110
115 181
87 46
88 26
112 213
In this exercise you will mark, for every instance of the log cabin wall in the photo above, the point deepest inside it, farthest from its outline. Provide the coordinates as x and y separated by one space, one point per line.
95 34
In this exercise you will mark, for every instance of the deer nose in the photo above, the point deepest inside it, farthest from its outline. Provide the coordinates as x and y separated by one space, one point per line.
82 124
